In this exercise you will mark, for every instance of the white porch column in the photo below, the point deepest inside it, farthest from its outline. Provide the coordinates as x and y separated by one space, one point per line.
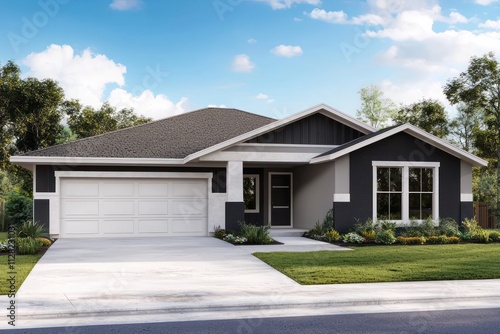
234 181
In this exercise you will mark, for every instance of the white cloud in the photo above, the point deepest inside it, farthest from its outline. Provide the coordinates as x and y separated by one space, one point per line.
413 91
251 40
489 24
243 64
456 17
147 104
264 97
485 2
407 25
297 19
283 4
331 17
216 106
125 4
288 51
82 76
85 77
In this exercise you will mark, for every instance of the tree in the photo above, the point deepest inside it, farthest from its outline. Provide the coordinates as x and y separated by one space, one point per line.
87 121
29 112
479 88
428 114
375 109
464 127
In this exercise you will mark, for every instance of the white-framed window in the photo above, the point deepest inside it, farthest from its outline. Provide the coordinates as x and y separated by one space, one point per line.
251 193
405 191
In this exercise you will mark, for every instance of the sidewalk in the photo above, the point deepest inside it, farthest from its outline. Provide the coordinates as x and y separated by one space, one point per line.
287 298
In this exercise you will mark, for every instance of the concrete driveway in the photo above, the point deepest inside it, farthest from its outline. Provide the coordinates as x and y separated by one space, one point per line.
84 274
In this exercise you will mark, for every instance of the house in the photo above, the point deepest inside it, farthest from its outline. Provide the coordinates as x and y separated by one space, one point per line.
185 175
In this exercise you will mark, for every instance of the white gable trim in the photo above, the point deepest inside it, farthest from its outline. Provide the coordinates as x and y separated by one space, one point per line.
321 108
415 132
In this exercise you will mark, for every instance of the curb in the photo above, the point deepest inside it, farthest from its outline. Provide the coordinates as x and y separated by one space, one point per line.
253 307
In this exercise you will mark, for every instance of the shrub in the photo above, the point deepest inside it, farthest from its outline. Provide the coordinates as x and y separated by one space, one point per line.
410 240
448 227
369 235
219 232
18 209
367 226
328 221
427 227
317 230
353 238
31 229
495 236
453 240
4 246
332 236
385 237
45 242
28 246
481 236
470 225
436 240
234 239
387 225
258 235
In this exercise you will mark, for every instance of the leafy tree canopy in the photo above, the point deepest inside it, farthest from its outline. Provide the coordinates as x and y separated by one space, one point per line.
427 114
375 109
85 121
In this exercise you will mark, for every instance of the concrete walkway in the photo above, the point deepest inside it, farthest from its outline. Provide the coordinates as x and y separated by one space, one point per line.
99 281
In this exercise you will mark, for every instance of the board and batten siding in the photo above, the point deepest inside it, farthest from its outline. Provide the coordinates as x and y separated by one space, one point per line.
316 129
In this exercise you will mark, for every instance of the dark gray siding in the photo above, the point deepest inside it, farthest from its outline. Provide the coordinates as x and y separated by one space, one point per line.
235 213
45 179
466 210
316 129
400 147
41 212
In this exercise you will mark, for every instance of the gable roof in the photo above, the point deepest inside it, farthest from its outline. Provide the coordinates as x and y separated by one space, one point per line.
321 108
390 131
171 138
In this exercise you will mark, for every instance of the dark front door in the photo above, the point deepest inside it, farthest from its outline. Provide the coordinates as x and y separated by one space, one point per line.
281 199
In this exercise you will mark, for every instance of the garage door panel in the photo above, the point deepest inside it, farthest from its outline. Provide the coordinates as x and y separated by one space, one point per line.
83 207
188 226
133 207
153 189
116 226
79 227
117 189
79 188
189 207
153 207
117 208
153 226
189 188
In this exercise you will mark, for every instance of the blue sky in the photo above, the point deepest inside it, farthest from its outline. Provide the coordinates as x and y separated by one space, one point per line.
272 57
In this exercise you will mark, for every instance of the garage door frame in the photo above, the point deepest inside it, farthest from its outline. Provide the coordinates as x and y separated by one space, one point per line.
55 205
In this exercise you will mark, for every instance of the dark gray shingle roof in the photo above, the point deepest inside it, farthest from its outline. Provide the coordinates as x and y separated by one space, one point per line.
174 137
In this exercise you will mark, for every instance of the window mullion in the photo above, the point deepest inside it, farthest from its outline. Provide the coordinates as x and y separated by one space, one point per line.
405 212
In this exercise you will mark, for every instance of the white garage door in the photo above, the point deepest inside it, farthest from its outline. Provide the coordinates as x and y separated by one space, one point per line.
133 207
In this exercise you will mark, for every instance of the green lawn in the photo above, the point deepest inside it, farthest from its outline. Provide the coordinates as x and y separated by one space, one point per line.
389 264
23 266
